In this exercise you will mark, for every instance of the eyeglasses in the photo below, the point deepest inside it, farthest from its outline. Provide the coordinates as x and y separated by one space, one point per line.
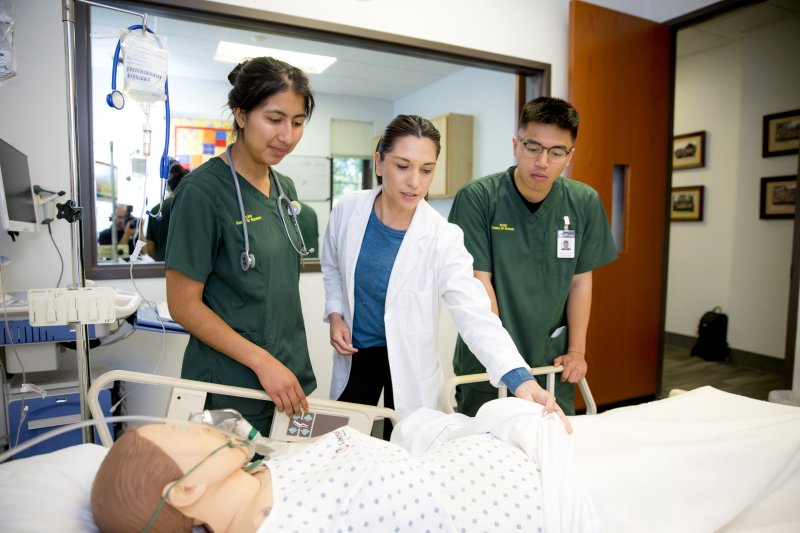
555 154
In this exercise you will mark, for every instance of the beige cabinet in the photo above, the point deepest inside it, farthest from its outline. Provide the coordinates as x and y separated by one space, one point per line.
454 167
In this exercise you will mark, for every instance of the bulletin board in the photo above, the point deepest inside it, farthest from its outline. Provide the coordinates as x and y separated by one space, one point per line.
198 140
310 174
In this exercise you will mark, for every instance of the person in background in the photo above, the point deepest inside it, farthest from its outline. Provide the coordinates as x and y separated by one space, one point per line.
125 226
389 261
244 312
156 240
535 237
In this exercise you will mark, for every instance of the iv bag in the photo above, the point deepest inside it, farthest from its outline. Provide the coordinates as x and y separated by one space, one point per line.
8 56
145 59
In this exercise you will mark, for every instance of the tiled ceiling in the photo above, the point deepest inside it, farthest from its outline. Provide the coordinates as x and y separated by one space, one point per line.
733 25
357 72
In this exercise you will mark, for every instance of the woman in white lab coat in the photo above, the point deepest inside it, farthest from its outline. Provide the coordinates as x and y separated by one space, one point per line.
389 260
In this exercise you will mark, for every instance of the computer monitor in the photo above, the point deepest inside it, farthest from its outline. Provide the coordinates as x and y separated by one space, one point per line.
17 201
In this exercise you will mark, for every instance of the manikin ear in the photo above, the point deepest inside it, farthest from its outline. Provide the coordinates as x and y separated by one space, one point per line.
184 495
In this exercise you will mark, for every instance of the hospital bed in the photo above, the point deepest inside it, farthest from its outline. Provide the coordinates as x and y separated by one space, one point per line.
701 461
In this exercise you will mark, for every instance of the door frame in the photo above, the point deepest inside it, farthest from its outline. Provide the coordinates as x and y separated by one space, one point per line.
684 21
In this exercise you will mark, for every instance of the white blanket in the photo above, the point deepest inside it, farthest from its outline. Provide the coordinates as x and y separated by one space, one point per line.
700 462
519 423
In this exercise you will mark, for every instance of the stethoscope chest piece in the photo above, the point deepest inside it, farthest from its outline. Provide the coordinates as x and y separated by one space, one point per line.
247 261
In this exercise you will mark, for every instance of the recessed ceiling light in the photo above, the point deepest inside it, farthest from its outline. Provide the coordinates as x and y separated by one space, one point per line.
235 52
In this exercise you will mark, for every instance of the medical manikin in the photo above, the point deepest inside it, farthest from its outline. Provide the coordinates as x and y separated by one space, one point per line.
173 477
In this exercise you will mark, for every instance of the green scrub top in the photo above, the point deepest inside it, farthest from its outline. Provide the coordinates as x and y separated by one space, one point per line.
532 284
157 229
205 242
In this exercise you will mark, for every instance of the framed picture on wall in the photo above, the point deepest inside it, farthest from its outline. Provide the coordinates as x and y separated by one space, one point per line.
689 150
778 197
686 204
781 133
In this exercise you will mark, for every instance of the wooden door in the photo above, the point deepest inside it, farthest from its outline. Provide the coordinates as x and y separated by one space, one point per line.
619 80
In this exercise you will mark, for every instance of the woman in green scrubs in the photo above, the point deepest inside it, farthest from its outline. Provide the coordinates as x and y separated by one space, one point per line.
245 321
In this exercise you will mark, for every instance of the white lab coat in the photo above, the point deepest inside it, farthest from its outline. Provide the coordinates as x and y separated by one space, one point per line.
432 266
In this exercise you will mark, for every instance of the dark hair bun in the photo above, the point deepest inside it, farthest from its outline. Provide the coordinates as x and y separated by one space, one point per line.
235 72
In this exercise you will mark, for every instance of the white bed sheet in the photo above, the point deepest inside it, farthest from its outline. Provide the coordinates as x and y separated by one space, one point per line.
702 461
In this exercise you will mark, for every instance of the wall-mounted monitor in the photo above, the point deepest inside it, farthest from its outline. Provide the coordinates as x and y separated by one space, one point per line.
17 201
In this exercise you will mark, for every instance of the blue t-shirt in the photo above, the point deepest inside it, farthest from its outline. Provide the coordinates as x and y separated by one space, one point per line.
378 252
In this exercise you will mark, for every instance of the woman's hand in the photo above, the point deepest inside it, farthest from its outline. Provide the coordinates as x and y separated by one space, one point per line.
340 335
282 386
533 392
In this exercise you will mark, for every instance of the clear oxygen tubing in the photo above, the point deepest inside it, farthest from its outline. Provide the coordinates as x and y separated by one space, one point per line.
231 421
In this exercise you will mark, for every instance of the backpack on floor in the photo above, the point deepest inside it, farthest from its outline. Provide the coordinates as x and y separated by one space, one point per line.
712 336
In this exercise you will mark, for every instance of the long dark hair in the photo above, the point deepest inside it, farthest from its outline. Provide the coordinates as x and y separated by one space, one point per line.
403 126
254 80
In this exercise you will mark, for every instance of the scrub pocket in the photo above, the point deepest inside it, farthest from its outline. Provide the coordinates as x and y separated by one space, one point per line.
557 345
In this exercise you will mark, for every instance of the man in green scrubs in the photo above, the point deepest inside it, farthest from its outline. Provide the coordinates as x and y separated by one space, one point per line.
262 304
535 237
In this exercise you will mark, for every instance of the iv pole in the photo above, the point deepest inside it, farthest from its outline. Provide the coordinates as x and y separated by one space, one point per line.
70 210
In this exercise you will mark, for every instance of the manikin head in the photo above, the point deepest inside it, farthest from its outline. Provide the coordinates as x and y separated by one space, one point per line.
198 468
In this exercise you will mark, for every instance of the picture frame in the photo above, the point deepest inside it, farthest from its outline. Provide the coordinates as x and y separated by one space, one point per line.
689 150
778 198
781 134
686 204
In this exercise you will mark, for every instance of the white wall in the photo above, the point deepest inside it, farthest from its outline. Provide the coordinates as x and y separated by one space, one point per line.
762 256
700 253
734 259
33 107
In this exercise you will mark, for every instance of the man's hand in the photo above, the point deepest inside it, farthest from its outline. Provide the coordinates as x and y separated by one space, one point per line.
574 364
533 392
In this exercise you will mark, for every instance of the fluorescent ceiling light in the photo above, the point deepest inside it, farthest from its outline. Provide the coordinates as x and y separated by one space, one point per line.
236 52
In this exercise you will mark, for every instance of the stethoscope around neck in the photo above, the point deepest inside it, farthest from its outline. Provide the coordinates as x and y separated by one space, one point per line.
247 260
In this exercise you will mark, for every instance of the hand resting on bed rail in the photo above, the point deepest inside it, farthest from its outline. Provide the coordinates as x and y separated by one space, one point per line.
343 478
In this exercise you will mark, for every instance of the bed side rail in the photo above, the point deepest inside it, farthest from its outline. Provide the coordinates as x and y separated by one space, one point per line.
364 415
448 390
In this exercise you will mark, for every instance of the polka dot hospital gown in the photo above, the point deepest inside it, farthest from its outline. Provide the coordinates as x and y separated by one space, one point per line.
346 481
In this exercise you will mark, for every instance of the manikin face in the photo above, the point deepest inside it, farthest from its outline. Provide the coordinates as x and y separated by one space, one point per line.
535 175
407 172
272 130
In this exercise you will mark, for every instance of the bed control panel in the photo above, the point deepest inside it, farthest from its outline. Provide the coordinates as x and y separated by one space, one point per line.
319 420
306 426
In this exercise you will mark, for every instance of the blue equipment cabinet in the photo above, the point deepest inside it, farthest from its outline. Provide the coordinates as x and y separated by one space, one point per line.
60 407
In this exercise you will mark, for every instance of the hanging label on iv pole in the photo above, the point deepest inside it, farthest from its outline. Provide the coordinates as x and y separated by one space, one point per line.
145 58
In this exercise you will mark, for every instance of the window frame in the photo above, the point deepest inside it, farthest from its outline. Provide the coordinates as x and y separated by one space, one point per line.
529 73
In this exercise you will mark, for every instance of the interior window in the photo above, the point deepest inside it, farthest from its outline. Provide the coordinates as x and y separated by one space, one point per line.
369 83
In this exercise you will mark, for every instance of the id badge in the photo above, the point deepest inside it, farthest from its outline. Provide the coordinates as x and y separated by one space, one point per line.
565 244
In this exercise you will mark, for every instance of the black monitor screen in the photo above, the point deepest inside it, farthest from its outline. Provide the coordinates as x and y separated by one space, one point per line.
17 184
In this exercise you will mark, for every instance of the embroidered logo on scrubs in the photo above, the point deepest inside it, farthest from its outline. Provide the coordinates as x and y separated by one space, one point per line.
503 227
250 218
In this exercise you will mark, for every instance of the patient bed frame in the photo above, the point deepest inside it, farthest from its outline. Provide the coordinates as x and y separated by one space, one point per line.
360 417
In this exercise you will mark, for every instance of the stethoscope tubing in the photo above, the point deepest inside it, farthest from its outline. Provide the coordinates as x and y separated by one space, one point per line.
302 251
